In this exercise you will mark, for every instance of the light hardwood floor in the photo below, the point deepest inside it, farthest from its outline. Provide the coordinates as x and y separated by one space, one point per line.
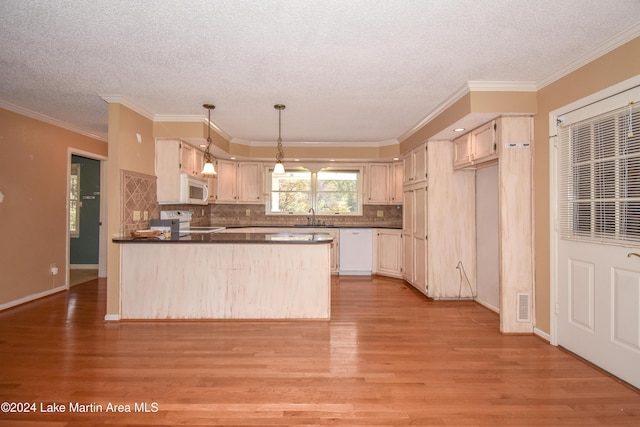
389 356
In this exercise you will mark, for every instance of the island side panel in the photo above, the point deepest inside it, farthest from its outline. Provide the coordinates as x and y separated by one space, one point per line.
225 281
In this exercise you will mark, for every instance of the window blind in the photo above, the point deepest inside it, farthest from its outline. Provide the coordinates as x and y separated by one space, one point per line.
599 174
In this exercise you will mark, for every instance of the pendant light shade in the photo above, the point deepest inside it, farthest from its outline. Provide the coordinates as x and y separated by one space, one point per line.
207 157
279 167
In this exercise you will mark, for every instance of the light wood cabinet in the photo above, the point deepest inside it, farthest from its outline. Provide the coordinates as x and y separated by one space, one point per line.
478 147
396 183
438 225
388 252
226 181
191 160
239 182
414 165
377 183
462 151
384 183
172 158
249 182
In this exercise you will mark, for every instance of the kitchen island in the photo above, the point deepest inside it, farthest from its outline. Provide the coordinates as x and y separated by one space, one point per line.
226 276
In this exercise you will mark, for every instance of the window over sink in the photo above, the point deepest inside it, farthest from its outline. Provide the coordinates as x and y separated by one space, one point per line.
328 192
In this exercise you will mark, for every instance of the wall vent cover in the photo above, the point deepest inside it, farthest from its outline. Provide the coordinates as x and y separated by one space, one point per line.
524 307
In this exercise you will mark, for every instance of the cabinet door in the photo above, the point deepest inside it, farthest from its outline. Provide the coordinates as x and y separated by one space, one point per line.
389 252
462 151
419 155
213 190
377 183
420 239
396 183
187 153
198 163
407 169
407 235
484 143
250 182
226 181
167 163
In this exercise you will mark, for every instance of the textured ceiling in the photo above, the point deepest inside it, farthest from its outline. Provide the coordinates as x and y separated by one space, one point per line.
348 71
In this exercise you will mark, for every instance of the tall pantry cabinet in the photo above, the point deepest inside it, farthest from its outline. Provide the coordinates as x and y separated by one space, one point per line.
438 222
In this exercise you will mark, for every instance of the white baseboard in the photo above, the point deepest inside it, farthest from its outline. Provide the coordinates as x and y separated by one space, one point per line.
542 334
111 317
487 305
33 297
83 266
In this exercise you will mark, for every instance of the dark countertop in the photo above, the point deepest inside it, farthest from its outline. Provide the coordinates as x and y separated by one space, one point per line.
303 226
277 238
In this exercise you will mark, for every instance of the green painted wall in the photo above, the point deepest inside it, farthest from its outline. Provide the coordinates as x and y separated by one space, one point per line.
84 249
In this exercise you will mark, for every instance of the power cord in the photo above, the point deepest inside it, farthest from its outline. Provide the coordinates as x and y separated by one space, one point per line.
460 268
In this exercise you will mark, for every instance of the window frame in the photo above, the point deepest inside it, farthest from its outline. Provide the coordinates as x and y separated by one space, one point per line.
358 170
596 202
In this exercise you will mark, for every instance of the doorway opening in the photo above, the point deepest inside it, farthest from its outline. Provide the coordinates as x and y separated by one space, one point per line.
86 243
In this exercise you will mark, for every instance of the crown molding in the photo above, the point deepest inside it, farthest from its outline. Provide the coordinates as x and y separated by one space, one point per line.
50 120
132 105
462 91
471 86
350 144
614 42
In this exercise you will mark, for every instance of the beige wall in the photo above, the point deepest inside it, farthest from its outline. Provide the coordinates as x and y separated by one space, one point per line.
125 153
33 215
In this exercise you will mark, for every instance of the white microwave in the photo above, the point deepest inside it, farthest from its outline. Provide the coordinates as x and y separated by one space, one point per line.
193 191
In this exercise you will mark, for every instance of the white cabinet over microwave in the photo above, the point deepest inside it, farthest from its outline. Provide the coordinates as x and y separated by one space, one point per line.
174 186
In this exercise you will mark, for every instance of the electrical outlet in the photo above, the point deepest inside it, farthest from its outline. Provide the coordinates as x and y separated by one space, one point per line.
247 212
380 214
146 215
136 215
54 269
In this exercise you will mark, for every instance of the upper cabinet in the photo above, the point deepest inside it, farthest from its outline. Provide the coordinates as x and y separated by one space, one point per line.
239 182
414 165
476 148
384 183
174 157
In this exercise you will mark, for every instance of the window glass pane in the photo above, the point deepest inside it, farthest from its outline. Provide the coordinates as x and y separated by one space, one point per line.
291 192
74 201
337 192
600 176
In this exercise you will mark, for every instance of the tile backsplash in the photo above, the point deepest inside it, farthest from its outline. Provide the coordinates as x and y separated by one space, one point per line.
236 215
138 192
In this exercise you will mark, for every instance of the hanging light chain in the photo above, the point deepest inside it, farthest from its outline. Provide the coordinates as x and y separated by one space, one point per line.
280 153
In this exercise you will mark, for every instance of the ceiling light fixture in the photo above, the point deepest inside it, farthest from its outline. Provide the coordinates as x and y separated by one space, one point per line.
459 130
207 157
279 167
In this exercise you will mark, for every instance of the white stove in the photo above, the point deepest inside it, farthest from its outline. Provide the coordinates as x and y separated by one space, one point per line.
184 218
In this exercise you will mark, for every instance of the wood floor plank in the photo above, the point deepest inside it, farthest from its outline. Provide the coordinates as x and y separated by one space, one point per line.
388 357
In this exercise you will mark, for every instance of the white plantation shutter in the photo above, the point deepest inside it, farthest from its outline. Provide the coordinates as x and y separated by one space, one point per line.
599 159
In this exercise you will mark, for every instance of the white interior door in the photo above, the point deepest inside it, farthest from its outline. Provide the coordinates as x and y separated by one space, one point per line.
598 245
599 306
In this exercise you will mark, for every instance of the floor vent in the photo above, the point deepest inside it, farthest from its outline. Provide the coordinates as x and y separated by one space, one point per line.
524 307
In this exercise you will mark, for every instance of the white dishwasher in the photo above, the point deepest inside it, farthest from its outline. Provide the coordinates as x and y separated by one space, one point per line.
356 251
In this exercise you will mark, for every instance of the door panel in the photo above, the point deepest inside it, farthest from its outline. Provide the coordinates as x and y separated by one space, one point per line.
599 306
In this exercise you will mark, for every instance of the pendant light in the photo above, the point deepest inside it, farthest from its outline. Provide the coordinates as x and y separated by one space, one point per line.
279 167
207 157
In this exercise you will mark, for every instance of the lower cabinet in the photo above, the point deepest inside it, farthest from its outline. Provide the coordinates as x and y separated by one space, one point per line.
388 252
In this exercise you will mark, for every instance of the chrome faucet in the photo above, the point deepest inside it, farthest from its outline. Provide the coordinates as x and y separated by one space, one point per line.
313 216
